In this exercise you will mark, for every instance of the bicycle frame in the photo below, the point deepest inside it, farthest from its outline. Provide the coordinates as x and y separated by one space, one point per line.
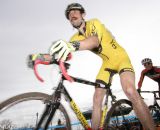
54 103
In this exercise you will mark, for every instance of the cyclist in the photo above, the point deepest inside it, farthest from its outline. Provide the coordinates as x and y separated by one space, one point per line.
150 71
92 35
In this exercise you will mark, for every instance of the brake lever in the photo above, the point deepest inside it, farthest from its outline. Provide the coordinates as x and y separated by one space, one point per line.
64 71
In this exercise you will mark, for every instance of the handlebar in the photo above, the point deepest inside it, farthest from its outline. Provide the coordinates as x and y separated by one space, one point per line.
149 91
61 66
64 71
36 63
153 92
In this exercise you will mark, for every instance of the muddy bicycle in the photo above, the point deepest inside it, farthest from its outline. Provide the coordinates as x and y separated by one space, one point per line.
42 111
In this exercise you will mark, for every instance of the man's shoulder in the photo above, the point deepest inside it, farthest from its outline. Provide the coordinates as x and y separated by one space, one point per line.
158 67
93 20
144 71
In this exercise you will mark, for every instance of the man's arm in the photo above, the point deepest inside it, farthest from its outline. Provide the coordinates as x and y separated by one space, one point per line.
95 36
141 80
63 48
89 43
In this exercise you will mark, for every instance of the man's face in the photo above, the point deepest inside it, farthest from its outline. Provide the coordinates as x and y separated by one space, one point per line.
148 65
75 18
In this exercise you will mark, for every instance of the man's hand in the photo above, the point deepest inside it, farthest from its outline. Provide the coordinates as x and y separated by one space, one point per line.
139 90
31 59
63 49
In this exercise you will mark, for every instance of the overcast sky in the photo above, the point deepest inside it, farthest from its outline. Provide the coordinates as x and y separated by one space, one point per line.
30 26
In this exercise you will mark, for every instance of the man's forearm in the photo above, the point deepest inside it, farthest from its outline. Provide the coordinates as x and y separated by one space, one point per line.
89 43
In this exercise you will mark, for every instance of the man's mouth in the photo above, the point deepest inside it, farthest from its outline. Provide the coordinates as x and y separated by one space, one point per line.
74 18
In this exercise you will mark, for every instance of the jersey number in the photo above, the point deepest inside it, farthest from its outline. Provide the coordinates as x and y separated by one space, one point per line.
113 44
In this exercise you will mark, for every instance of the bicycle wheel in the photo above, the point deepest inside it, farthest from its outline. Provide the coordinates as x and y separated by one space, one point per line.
24 110
122 117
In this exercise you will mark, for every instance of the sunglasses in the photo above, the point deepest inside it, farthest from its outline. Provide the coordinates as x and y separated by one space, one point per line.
147 64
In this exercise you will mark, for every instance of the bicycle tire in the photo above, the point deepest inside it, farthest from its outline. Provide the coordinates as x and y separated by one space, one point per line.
122 117
15 106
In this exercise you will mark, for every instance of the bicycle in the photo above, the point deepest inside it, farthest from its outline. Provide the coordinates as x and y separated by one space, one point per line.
155 108
53 110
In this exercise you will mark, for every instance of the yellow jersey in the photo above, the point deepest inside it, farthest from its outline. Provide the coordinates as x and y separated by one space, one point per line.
113 55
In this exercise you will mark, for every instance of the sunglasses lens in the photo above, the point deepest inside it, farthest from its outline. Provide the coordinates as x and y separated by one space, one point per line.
146 64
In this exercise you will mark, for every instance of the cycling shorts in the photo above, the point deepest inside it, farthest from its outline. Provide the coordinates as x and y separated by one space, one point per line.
116 64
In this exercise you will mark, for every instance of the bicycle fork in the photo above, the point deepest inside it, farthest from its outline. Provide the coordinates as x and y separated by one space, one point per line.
51 107
47 115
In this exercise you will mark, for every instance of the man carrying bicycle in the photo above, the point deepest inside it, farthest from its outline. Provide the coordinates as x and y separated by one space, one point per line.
92 35
153 72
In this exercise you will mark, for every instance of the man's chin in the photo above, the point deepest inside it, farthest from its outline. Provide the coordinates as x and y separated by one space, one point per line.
75 25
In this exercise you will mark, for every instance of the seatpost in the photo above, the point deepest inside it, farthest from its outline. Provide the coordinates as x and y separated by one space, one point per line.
112 96
107 95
